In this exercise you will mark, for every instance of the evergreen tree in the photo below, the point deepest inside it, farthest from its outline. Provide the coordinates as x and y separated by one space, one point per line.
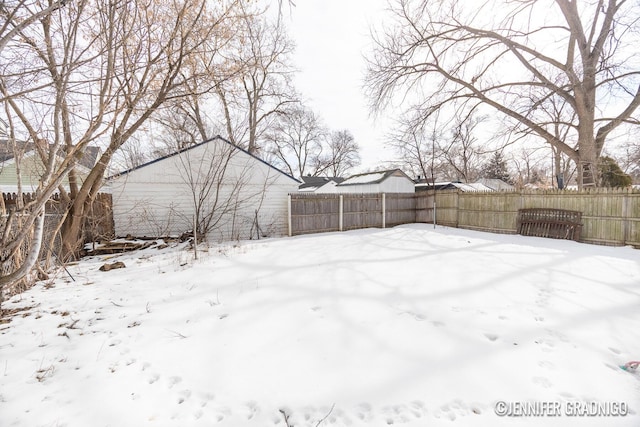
496 168
610 174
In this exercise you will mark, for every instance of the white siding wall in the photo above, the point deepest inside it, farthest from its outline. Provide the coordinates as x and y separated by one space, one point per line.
393 184
358 188
158 199
397 184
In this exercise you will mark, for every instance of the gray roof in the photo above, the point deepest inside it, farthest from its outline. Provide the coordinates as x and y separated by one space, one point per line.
496 184
317 181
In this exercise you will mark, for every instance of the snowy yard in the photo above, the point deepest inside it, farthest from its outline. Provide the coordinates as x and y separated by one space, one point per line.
410 326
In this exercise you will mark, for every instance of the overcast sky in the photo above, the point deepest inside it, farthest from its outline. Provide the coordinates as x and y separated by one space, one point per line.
332 37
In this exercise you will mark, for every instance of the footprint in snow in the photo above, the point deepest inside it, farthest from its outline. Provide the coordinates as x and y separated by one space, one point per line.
205 399
542 382
252 409
184 395
173 381
546 364
491 337
363 411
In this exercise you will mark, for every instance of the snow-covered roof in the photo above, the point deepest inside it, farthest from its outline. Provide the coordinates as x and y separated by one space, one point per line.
472 186
372 177
364 179
449 185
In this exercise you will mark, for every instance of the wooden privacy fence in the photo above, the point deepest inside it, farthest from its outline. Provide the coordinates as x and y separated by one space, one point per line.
609 216
317 213
98 223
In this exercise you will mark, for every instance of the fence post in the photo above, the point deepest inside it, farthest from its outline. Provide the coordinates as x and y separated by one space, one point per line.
384 210
289 213
626 214
457 208
340 213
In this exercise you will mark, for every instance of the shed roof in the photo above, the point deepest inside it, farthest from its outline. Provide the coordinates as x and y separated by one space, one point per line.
191 147
373 177
310 183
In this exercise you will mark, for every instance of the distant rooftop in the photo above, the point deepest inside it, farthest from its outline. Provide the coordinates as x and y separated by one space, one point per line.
311 183
372 177
88 159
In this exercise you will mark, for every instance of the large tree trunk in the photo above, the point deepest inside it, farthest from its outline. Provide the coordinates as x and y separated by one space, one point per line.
72 230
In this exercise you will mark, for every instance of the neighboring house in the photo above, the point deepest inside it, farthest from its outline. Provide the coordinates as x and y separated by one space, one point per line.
31 167
389 181
496 184
319 184
233 194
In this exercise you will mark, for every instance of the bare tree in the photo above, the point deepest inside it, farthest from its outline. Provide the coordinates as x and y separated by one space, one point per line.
253 83
499 53
22 224
154 46
531 167
97 71
461 153
340 153
296 141
215 195
17 15
415 145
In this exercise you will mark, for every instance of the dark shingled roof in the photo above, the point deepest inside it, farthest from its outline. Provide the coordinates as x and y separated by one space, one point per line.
318 181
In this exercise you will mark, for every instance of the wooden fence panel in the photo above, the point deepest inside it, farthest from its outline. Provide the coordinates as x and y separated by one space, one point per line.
362 211
609 217
98 224
314 213
400 209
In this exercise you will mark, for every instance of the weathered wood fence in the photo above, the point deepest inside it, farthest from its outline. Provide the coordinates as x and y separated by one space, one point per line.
317 213
98 224
609 216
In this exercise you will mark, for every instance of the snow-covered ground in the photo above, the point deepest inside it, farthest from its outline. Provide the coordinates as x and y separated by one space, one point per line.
410 326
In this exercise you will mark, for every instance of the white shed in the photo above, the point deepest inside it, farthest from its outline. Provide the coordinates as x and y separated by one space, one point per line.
389 181
233 194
